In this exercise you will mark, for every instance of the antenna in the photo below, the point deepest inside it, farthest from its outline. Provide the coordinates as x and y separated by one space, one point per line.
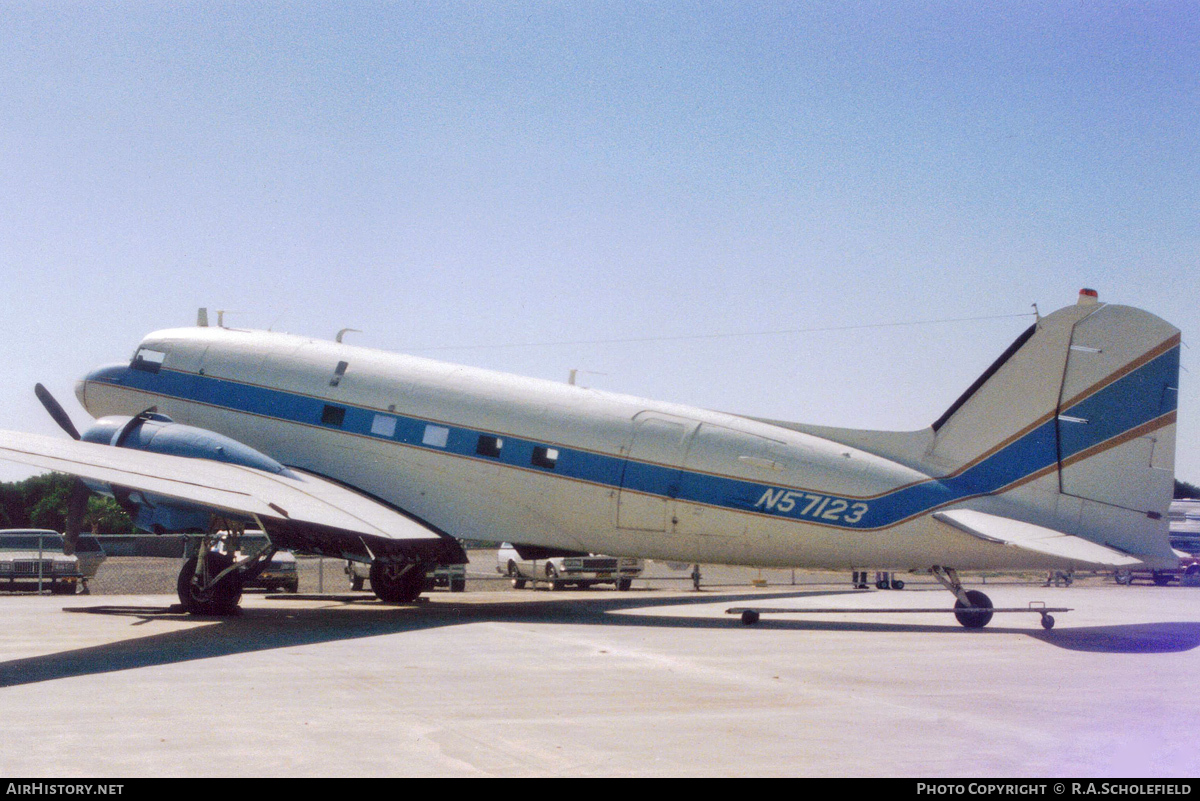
346 331
575 372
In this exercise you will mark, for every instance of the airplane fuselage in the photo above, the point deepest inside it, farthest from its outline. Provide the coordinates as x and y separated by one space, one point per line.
489 456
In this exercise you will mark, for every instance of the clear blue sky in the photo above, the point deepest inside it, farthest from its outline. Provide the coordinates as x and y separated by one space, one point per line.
445 174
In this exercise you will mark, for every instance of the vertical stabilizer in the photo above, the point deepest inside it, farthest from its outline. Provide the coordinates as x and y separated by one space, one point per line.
1076 423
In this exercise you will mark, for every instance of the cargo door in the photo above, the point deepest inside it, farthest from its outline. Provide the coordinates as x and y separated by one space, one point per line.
653 470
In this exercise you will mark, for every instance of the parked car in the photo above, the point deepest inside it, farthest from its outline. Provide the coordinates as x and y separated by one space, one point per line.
561 571
90 554
451 577
33 558
279 574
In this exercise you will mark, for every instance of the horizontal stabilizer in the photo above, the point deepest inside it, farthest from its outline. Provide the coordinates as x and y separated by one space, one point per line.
294 497
1018 534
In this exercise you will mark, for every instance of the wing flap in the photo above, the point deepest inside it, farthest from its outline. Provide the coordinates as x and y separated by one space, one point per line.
297 497
1019 534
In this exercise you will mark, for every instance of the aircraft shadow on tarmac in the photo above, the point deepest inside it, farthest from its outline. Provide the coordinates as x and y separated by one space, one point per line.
358 616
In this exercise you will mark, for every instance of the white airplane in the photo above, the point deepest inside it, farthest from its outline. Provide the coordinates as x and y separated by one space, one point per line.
1059 457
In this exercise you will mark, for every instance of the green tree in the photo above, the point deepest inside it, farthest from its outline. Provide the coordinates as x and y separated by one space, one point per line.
105 516
41 502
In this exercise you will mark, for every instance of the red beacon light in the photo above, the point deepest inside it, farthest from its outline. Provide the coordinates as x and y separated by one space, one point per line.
1088 297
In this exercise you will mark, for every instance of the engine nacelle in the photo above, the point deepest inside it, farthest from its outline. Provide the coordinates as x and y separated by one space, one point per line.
158 433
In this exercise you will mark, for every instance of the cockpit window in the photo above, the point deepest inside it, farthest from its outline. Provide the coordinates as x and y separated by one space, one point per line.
149 360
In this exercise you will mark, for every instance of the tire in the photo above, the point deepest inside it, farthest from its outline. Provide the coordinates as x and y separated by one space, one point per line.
1123 577
356 583
978 614
458 584
393 584
1161 579
623 585
518 583
1047 622
62 588
897 584
221 599
552 578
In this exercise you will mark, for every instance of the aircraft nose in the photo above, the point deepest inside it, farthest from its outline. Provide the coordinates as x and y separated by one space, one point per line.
81 391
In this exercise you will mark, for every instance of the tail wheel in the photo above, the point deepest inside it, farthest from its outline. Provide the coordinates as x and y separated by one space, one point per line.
220 599
976 615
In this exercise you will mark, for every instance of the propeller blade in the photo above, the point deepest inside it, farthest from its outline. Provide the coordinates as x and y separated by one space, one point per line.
56 411
133 423
77 503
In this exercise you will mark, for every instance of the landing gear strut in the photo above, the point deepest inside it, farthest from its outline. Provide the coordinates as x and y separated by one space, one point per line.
210 583
972 608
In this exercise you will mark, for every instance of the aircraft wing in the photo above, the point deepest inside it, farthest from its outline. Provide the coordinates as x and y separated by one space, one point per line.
1030 537
299 498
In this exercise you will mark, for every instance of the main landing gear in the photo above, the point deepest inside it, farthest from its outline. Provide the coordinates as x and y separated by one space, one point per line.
397 582
210 583
972 608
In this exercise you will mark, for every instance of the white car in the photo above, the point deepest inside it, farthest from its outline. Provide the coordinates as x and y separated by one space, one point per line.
560 571
33 558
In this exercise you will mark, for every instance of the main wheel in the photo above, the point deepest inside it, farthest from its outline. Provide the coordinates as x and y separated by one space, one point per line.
1162 579
458 584
219 599
624 584
977 614
518 582
897 584
397 582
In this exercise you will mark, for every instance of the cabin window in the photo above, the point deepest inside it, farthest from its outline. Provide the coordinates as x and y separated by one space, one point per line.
148 360
489 445
333 416
436 436
383 425
545 457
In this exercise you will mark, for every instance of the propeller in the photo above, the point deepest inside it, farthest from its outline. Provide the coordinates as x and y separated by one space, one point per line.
56 410
77 501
